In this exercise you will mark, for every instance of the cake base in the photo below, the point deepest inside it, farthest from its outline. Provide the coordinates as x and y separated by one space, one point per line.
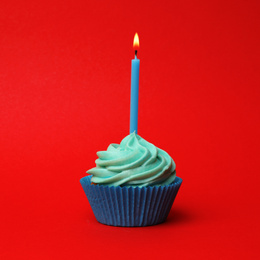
130 206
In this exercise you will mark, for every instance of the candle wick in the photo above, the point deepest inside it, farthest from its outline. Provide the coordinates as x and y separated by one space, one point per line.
135 53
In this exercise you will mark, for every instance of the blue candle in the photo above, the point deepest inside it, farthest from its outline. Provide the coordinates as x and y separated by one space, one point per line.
134 88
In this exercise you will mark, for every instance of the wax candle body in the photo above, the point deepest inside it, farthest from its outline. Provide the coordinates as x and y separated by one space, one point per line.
134 94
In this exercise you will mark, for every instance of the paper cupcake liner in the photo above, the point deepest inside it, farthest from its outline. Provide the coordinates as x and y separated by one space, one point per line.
130 206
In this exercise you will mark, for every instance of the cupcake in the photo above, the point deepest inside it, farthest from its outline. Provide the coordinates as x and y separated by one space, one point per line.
134 183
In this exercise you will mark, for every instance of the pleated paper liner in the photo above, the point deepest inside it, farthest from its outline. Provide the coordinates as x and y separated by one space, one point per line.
130 206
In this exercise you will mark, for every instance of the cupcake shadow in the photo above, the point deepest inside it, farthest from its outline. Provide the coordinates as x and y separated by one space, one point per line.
179 216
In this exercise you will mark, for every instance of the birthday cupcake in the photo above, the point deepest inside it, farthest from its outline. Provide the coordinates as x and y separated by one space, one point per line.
134 183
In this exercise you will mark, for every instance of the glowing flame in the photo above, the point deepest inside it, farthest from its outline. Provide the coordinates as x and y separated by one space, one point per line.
136 41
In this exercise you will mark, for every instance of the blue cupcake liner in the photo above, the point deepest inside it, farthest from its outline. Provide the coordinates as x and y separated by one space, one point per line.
130 206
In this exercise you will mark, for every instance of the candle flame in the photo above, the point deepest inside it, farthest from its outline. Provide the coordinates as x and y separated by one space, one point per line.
136 42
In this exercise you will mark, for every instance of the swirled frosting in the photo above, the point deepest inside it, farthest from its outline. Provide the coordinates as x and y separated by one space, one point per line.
133 162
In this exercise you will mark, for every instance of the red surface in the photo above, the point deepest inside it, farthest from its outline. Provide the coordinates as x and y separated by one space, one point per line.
65 85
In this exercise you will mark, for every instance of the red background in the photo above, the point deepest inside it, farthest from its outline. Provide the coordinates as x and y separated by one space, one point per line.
65 94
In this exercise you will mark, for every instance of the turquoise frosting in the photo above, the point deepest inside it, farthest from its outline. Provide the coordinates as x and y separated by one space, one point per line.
133 162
